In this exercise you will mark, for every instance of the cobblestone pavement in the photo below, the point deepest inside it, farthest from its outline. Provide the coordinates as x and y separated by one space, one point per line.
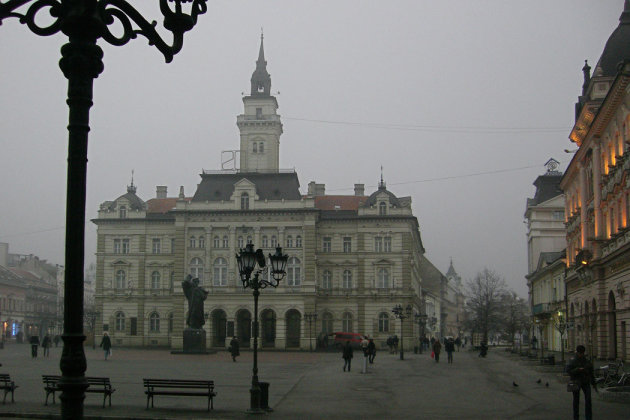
310 386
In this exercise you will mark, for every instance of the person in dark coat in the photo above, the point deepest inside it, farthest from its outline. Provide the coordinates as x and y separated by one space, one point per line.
449 346
234 348
371 350
56 340
106 344
34 340
581 371
390 344
437 347
395 343
46 343
347 356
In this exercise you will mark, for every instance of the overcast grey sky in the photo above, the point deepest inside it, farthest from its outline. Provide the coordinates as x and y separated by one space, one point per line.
461 102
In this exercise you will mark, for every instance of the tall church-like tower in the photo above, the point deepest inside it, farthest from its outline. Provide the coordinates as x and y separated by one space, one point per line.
260 125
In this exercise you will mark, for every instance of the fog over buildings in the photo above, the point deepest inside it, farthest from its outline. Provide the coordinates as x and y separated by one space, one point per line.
461 103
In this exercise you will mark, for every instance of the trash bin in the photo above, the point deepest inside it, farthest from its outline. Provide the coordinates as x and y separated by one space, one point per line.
264 395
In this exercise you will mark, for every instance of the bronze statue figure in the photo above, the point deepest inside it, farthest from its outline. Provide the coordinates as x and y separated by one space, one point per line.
195 296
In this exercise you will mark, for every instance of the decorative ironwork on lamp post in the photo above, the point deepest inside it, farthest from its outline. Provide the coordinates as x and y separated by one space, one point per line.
421 319
247 260
85 22
402 314
310 318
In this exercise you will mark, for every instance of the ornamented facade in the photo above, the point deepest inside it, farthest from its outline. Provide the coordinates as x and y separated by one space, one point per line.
597 187
352 258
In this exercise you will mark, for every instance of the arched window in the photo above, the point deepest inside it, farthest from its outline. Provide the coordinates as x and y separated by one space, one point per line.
220 272
120 321
121 279
289 241
293 272
202 241
382 208
383 322
226 242
154 322
196 268
274 241
244 201
216 242
261 147
382 279
265 241
347 279
327 323
155 280
327 280
346 322
122 212
241 243
298 241
255 147
192 242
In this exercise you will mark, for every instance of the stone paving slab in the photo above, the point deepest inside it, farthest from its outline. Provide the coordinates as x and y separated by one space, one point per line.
308 386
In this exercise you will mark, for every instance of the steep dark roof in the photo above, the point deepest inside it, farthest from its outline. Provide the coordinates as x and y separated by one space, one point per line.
269 186
135 202
371 201
9 278
451 271
617 47
547 187
339 202
430 275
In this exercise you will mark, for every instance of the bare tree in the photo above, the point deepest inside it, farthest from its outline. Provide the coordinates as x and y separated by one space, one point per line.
515 318
484 301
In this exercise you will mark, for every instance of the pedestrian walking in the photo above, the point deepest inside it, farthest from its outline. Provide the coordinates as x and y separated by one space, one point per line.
56 340
106 344
34 340
364 347
371 350
437 347
234 348
395 344
580 370
347 356
390 344
46 343
449 346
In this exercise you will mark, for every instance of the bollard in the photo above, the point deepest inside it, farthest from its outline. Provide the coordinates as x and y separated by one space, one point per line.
264 396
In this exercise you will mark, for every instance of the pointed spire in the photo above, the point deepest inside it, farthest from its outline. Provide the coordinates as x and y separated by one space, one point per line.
261 80
381 185
131 188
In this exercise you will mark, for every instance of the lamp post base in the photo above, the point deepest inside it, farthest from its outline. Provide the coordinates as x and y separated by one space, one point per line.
254 405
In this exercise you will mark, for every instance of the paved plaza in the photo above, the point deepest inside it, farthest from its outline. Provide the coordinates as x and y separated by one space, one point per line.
310 386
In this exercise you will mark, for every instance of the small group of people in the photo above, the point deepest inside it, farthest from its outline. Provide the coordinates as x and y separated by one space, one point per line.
368 347
449 347
392 343
46 343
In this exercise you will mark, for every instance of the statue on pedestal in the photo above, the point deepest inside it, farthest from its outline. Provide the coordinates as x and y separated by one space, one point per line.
195 295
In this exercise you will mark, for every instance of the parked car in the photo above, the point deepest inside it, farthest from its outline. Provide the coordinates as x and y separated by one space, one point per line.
340 339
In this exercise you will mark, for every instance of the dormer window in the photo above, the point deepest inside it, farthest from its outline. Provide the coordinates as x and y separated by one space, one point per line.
245 201
382 208
122 212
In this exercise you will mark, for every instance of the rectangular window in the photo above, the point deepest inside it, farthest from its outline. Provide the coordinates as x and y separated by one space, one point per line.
133 326
259 113
558 215
125 246
347 244
157 246
327 244
378 244
387 244
117 246
172 245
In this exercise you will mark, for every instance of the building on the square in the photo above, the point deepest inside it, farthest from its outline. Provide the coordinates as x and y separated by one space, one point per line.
596 187
352 258
546 241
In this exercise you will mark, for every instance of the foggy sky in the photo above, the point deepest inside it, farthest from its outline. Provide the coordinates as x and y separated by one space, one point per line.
461 102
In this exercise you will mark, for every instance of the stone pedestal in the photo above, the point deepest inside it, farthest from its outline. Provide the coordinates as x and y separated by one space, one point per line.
194 340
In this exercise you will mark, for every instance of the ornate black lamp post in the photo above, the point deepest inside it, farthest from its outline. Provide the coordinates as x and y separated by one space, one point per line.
310 318
247 260
401 314
561 326
421 319
85 22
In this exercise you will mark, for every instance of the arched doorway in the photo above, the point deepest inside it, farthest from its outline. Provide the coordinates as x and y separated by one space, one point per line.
268 320
219 321
293 319
244 327
612 326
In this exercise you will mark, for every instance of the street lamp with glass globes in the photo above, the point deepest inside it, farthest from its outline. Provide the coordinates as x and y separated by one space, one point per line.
402 314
